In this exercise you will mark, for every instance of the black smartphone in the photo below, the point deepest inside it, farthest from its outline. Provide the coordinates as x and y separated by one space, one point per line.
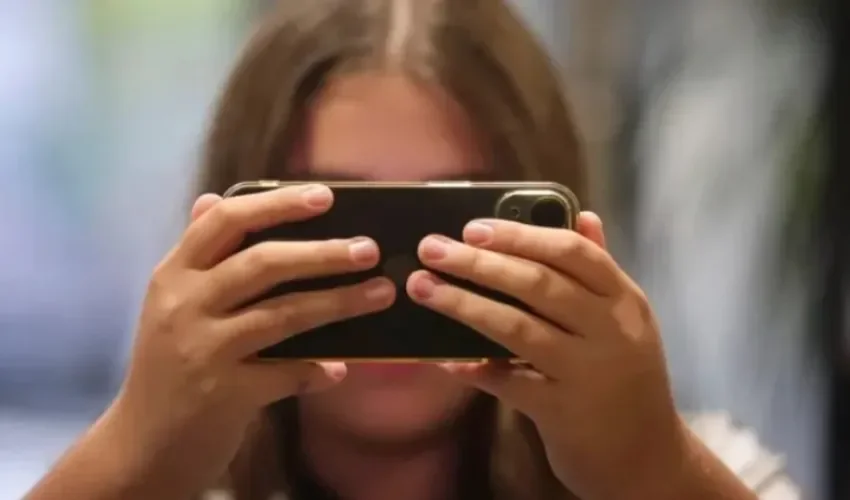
398 216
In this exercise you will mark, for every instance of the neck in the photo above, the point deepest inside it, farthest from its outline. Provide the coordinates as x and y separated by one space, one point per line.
354 473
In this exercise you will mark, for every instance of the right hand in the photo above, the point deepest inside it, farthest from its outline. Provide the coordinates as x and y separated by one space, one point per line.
194 384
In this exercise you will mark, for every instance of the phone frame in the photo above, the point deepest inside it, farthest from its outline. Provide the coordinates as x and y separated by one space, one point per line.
531 187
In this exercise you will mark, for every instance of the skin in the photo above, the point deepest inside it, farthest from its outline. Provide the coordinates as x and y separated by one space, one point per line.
368 127
600 396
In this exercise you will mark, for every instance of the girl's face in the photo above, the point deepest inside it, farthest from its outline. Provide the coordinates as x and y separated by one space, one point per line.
387 128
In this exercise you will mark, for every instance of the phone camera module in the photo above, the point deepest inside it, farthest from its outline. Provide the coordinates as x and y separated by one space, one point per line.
549 212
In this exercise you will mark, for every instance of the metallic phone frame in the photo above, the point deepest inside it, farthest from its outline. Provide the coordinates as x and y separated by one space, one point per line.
551 189
563 193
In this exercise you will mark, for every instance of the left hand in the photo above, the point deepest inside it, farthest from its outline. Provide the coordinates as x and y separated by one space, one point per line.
599 392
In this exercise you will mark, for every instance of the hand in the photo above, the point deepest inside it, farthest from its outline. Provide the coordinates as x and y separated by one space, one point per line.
599 392
194 386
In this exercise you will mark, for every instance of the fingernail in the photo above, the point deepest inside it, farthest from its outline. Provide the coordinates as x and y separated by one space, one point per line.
435 248
424 286
335 372
379 292
478 233
363 250
317 196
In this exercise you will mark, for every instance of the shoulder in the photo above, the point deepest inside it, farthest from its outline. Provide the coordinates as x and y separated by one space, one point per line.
740 449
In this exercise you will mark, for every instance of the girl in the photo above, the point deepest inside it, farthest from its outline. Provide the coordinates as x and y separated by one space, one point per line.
389 90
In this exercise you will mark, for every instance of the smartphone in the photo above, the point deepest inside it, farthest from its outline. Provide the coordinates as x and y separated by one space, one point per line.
398 216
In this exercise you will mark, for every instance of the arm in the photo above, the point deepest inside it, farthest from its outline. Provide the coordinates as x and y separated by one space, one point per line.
107 464
96 467
722 460
686 468
706 477
190 394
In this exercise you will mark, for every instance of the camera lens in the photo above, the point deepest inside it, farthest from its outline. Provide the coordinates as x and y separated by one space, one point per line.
549 212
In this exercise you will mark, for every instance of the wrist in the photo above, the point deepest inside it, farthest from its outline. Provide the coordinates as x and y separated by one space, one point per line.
688 469
117 461
141 463
663 470
121 456
102 465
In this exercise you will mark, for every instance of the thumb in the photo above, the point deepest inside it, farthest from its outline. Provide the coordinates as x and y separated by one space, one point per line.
516 386
204 203
273 381
590 226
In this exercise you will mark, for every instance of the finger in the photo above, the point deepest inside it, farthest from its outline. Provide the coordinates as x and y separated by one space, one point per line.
204 203
254 270
219 231
270 381
548 292
562 249
521 388
274 320
589 225
528 337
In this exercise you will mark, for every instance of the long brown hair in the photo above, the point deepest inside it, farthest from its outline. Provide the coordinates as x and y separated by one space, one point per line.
477 50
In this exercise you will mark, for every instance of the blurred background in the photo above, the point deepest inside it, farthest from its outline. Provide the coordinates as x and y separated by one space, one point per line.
705 136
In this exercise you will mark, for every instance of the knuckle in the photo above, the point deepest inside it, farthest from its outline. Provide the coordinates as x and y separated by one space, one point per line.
298 315
169 304
305 311
164 302
458 303
160 272
643 305
159 280
631 316
264 318
568 246
335 251
167 313
261 256
338 304
634 300
539 280
640 298
480 265
516 327
468 307
292 318
194 357
225 212
324 254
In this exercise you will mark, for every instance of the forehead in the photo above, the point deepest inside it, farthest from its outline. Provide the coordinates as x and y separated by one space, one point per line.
388 128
